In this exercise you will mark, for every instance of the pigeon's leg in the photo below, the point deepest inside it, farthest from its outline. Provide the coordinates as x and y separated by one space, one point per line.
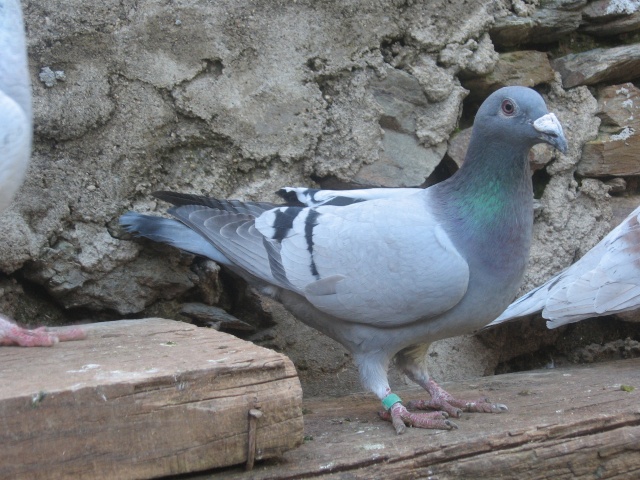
373 372
412 361
12 334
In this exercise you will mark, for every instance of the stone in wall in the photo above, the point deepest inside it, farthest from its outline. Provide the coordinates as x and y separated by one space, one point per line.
617 64
616 151
526 68
605 18
537 26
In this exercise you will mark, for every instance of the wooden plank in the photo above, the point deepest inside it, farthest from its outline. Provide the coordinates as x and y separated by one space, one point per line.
564 423
143 399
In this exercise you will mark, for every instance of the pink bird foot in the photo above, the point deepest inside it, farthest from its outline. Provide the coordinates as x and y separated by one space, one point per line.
444 401
399 416
12 334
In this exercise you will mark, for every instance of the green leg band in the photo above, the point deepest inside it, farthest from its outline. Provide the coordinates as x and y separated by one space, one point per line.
390 400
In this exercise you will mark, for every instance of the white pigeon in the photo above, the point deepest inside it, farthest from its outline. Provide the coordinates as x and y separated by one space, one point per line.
385 272
15 147
15 102
606 280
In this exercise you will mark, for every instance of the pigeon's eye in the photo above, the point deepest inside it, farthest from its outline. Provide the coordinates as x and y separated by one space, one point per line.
508 107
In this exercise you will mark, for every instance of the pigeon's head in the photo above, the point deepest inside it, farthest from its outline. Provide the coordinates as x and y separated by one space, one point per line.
518 115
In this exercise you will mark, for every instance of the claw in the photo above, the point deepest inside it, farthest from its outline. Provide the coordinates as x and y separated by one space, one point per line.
442 400
399 416
439 404
453 425
485 407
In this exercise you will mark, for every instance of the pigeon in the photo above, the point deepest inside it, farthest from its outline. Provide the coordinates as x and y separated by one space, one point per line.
387 271
15 147
605 281
15 102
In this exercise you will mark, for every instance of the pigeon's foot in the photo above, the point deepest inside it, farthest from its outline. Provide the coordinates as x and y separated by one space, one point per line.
444 401
399 416
12 334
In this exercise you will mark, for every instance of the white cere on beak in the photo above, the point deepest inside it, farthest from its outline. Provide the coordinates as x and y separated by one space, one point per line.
548 123
550 126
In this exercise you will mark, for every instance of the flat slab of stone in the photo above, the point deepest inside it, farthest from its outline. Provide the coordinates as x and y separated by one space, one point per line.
610 65
578 422
143 399
616 151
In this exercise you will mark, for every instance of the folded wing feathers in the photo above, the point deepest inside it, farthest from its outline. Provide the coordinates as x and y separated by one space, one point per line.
311 197
233 206
171 232
235 236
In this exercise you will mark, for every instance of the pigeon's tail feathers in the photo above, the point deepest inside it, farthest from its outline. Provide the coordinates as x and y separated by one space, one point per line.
171 232
529 304
580 300
236 237
311 197
233 206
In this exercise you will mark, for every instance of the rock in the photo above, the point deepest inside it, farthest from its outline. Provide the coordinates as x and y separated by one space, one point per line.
527 68
214 317
53 117
438 24
436 124
618 64
50 78
405 162
461 358
604 18
622 206
616 155
616 151
414 136
126 282
554 20
437 83
619 106
472 59
616 185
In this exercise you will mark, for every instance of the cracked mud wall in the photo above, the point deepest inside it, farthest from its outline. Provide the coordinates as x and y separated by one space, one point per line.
238 98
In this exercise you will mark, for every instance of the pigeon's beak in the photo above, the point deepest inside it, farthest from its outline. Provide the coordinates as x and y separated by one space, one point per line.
550 131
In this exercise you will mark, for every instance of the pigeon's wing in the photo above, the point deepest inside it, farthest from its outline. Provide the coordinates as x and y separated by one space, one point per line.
234 236
311 197
385 262
605 280
231 206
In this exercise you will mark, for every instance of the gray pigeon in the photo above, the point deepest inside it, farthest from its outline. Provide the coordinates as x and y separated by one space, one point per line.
15 147
606 280
385 272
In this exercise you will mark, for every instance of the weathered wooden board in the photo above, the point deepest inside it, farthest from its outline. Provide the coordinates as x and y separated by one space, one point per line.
566 423
142 399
